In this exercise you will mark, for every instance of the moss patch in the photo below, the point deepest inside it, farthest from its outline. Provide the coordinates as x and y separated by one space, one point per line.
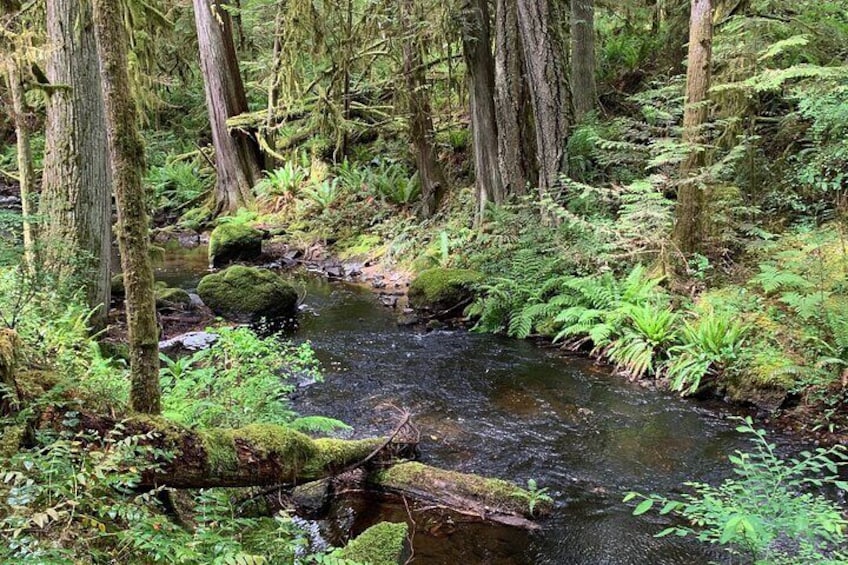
440 290
234 242
167 297
10 440
220 451
378 545
338 453
117 284
248 294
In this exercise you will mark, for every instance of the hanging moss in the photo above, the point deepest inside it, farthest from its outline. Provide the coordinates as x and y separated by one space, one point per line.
378 545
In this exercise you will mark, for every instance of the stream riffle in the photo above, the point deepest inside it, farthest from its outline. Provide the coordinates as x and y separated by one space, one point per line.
511 409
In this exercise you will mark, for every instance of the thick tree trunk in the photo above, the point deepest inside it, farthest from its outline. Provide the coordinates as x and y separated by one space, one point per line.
76 200
26 174
237 155
421 131
516 137
539 22
9 395
127 154
690 226
583 56
477 50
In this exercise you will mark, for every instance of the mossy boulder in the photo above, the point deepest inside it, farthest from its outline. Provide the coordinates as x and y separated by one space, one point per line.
443 291
168 297
378 545
234 242
248 294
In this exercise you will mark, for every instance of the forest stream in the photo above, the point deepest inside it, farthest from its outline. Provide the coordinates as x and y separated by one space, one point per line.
509 409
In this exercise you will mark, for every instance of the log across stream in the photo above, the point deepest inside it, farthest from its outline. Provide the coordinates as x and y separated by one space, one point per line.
510 409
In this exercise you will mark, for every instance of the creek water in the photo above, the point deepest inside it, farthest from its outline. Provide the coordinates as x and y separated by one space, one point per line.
509 409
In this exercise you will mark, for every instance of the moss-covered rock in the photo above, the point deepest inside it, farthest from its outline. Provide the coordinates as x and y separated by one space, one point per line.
10 440
442 291
378 545
248 294
168 297
234 242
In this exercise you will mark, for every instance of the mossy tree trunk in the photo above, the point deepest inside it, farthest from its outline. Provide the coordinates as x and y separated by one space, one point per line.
516 137
421 131
691 221
127 155
583 56
76 200
9 396
26 174
477 51
237 154
540 26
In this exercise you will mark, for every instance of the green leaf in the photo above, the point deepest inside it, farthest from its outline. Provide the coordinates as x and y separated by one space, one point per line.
643 507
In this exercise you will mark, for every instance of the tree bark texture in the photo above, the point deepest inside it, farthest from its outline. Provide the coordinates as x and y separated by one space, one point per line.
516 136
477 50
583 56
539 22
76 199
127 155
237 155
26 174
690 226
10 396
421 131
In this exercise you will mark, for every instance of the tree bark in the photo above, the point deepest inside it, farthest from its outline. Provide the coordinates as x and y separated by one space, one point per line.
583 56
421 131
539 22
10 397
237 155
516 137
127 155
76 200
26 174
691 221
477 50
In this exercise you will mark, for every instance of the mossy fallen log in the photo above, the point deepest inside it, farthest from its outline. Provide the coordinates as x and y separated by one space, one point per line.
490 500
381 544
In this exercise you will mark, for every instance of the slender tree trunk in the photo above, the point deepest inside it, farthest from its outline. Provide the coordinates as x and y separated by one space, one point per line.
26 173
583 56
76 200
127 154
690 226
477 50
421 131
516 137
237 155
541 35
274 90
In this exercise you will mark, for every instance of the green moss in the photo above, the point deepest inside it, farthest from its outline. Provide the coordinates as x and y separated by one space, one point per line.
196 218
381 544
248 294
117 284
339 453
34 383
171 297
270 439
220 450
233 242
360 246
10 440
442 289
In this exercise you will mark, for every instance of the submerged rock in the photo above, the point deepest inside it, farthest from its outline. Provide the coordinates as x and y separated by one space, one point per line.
234 242
248 294
443 291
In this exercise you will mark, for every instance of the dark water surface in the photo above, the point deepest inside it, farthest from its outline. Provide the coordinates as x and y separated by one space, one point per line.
509 409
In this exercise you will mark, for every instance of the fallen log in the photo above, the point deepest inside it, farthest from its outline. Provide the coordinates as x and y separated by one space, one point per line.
265 455
489 500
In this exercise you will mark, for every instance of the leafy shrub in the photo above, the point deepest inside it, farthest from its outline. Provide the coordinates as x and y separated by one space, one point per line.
392 182
772 511
177 183
285 181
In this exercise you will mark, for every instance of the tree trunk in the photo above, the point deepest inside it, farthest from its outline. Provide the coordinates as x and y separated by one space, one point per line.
690 226
9 394
76 200
237 155
516 138
26 174
126 151
539 23
583 56
477 50
421 131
